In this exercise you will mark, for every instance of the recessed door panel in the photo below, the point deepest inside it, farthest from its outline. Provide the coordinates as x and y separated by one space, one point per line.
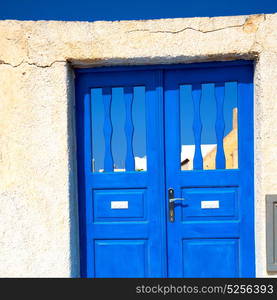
210 258
121 258
217 203
127 205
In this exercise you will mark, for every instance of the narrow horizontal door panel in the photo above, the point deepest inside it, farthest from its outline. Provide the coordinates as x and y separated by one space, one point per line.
208 178
212 204
117 79
118 180
212 74
207 229
116 230
120 205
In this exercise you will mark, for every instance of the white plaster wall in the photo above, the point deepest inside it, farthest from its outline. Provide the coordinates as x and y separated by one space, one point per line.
36 194
265 148
38 200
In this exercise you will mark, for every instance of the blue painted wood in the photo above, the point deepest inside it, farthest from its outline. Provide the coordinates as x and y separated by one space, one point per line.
197 127
221 64
227 199
102 205
211 178
110 238
122 257
246 167
129 129
220 160
206 257
218 243
108 130
200 244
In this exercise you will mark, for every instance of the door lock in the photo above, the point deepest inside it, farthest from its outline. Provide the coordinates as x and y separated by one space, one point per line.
171 201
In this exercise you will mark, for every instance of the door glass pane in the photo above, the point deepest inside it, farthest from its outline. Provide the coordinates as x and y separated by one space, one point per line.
139 141
118 122
118 129
186 119
97 121
208 126
208 117
231 125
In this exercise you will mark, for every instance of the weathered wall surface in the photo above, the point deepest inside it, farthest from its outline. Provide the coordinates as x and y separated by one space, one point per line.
36 172
38 201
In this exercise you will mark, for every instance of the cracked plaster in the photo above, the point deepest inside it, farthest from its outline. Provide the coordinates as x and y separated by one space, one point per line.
38 227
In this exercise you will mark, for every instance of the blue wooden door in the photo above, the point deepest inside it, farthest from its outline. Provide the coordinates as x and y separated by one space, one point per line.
121 207
212 234
187 210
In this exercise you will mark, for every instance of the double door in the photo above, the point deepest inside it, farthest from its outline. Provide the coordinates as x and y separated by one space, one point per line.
165 171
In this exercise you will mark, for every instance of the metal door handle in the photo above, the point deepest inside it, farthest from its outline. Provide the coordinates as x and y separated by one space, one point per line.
171 201
174 199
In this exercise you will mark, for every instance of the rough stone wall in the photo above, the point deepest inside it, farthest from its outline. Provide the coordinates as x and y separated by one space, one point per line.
38 201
